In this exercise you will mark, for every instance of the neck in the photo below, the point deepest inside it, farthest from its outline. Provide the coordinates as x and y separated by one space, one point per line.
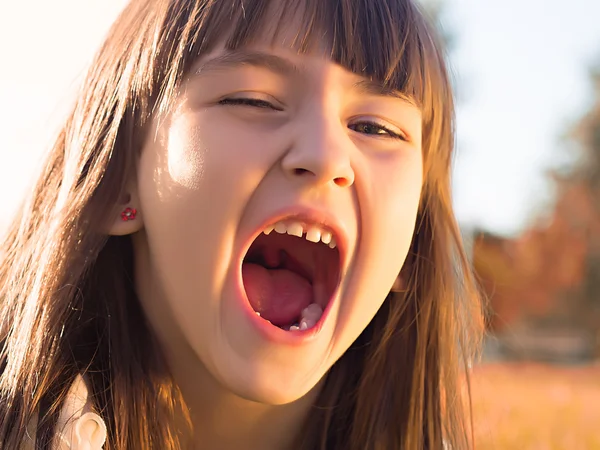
223 420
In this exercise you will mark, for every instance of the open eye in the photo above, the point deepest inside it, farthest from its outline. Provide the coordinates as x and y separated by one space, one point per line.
376 129
248 101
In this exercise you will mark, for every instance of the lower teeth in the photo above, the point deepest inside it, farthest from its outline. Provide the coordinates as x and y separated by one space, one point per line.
309 318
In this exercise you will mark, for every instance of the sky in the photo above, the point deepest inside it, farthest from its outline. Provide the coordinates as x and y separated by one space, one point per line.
521 69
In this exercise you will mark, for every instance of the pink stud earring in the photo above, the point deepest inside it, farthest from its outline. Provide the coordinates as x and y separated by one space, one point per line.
128 214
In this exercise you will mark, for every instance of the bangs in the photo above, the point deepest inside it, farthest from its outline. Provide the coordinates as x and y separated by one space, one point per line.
383 40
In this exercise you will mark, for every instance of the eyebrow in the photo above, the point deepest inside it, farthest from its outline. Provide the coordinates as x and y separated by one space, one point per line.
379 89
239 58
284 67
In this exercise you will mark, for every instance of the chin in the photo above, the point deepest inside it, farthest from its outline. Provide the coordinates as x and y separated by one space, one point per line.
267 385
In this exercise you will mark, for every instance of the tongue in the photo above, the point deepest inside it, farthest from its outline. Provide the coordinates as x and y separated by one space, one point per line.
279 295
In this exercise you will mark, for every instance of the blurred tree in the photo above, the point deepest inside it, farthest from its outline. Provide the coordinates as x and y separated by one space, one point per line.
550 275
586 178
493 262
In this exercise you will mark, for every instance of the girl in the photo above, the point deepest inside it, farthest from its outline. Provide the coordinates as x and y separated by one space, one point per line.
243 238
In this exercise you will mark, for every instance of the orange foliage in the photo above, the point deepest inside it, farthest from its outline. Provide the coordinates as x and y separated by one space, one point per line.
527 275
556 264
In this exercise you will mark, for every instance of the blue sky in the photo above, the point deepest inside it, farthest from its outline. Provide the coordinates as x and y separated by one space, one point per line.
521 68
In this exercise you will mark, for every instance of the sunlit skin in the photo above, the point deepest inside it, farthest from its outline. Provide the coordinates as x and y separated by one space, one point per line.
253 134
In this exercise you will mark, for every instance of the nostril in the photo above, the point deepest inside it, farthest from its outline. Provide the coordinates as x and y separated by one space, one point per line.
300 171
342 182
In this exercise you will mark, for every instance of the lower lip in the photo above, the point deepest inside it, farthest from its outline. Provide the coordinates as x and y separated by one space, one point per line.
271 332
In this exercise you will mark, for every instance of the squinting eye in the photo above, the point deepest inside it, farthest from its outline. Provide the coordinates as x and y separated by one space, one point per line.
253 102
372 128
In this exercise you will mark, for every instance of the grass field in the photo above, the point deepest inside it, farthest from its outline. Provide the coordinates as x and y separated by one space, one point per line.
536 407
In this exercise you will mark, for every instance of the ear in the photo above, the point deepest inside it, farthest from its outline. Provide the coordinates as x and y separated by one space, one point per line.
126 216
401 281
399 284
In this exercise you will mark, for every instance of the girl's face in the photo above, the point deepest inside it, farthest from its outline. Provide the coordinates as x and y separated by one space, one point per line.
265 137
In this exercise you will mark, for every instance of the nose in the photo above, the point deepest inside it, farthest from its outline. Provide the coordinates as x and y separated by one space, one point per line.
320 154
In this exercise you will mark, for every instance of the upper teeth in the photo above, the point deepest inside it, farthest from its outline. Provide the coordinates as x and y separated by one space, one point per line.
312 233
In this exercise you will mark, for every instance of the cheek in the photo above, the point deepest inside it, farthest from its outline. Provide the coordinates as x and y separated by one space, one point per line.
390 215
399 196
195 181
388 200
196 162
205 151
190 188
198 154
186 157
392 203
396 204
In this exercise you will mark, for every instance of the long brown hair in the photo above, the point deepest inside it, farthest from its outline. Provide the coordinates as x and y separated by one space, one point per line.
67 301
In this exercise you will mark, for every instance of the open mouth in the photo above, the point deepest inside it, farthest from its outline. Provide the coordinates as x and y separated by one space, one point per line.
290 274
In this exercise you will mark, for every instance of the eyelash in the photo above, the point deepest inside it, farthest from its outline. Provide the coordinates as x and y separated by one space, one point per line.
391 134
263 104
254 102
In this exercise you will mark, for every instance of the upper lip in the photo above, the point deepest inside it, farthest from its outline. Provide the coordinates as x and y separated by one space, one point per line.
308 216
